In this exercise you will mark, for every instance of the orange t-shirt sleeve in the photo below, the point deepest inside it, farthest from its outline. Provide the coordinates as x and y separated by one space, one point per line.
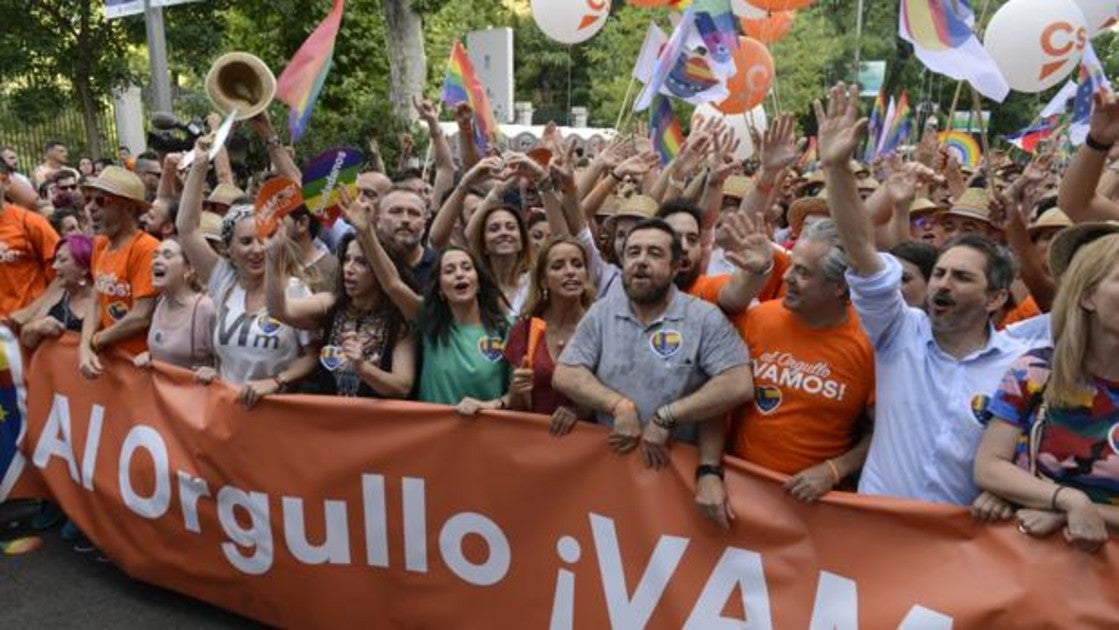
45 239
140 268
1025 310
707 288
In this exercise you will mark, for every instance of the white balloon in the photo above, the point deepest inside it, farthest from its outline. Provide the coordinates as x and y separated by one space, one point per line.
1098 14
742 8
1036 43
570 21
737 123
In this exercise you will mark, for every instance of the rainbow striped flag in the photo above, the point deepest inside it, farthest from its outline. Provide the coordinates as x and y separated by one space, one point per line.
874 127
963 146
303 78
665 130
461 85
13 410
898 129
943 39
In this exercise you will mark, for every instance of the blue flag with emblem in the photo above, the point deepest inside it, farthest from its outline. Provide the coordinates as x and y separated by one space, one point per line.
13 409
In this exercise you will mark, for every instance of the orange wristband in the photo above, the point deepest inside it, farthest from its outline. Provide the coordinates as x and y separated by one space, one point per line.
618 403
834 470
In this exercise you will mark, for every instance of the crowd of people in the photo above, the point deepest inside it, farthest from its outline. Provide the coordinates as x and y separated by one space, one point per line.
909 328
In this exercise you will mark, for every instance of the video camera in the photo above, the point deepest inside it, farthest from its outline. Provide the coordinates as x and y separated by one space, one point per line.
169 135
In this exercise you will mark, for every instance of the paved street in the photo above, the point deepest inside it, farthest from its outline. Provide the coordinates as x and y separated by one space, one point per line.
57 587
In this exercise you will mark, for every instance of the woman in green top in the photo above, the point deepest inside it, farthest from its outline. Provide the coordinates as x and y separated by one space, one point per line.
461 321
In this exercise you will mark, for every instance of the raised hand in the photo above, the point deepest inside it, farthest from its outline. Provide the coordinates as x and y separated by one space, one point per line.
1103 125
902 184
777 147
356 212
637 165
425 110
562 166
746 243
840 127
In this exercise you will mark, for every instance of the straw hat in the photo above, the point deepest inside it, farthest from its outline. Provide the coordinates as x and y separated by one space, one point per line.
868 183
973 204
804 207
637 206
211 226
1072 238
922 205
1052 218
225 194
737 186
609 206
120 183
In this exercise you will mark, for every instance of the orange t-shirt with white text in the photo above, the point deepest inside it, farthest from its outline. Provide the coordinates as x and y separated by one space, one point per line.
27 243
707 287
811 388
121 277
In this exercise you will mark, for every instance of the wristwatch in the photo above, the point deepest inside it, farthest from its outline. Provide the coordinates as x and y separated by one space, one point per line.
708 469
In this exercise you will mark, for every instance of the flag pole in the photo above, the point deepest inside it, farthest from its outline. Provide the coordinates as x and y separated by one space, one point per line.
625 101
977 106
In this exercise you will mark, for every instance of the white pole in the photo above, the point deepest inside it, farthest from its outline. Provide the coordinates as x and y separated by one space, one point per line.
157 57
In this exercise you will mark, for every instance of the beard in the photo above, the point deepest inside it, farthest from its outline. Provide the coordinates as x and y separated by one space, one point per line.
650 293
685 279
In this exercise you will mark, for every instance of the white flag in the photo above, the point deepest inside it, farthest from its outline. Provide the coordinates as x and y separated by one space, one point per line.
655 39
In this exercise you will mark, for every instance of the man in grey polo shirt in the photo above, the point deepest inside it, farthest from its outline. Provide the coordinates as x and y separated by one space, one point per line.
652 356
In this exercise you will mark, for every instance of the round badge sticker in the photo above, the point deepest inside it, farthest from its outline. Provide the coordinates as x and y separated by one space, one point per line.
1113 438
117 310
267 325
332 357
767 398
665 343
493 348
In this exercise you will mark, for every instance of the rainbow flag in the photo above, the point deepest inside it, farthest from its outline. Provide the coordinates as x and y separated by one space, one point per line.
718 28
665 130
943 39
1028 138
898 129
13 410
461 85
303 78
874 127
809 162
962 145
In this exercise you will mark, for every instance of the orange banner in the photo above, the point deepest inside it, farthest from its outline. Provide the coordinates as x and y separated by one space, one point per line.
316 511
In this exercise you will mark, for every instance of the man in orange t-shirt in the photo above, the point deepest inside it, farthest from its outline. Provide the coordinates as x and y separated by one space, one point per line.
27 243
813 374
121 268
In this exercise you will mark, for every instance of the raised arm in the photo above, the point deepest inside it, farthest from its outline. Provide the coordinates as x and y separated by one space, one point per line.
188 222
777 150
840 129
169 178
279 155
450 213
467 150
747 247
389 278
305 313
1078 197
440 149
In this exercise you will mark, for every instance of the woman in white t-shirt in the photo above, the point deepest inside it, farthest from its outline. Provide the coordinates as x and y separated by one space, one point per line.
253 350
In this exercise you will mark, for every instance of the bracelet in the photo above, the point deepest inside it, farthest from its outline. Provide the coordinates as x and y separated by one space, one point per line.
280 381
1096 145
834 470
616 176
708 469
272 141
1053 500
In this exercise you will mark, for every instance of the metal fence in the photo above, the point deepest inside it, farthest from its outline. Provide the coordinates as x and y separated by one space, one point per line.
28 139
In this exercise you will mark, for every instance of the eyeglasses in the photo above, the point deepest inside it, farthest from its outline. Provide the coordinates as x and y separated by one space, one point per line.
926 222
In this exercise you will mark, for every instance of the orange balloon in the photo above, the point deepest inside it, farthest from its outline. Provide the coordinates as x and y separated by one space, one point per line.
769 29
751 82
781 5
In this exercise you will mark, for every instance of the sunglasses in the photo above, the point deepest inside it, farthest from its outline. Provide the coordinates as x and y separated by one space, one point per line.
926 222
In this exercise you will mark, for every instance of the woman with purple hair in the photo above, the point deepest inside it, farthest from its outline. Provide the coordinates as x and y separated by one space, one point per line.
71 267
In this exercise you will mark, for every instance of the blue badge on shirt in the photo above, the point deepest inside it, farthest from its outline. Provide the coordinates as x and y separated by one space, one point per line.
1113 438
767 398
332 357
267 325
979 404
117 310
493 348
666 342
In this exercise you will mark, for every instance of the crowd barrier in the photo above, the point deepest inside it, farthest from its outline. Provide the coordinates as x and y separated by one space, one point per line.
330 512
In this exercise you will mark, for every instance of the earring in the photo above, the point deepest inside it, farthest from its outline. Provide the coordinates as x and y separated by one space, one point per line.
544 295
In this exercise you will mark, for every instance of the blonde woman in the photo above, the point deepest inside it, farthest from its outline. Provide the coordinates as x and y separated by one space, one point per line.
1052 442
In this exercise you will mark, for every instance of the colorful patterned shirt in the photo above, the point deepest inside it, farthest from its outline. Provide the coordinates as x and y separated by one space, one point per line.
1079 446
